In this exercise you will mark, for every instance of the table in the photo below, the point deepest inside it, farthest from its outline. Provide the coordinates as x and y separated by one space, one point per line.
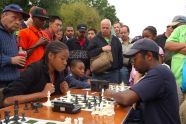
47 113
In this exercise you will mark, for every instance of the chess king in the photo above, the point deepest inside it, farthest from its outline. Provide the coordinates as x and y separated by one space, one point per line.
40 77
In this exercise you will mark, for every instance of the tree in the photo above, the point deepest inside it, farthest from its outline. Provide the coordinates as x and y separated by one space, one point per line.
76 13
104 9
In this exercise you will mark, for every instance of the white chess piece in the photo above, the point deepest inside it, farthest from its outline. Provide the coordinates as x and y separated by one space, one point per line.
48 103
75 121
80 120
102 92
68 96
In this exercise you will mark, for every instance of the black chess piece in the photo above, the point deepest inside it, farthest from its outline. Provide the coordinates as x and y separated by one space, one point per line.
36 109
89 105
26 106
76 100
7 117
23 117
38 104
85 98
32 105
86 103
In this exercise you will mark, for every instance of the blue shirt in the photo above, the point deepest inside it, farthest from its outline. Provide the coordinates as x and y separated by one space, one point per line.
8 49
76 83
158 94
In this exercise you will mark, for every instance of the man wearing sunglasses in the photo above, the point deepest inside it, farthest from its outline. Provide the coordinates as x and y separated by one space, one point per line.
32 39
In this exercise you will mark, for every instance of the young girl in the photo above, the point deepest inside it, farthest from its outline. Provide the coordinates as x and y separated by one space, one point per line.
76 78
40 77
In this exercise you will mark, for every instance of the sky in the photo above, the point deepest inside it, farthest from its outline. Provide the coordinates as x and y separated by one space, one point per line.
138 14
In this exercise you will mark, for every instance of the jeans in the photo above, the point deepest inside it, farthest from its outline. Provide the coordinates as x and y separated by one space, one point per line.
124 75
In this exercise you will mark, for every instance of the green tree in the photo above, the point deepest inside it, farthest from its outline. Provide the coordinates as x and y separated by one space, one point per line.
76 13
104 9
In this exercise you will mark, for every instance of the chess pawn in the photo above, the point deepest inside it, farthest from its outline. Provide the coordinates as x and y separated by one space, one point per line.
48 103
80 120
75 121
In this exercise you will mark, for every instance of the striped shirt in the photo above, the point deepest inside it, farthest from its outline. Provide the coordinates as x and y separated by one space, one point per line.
8 49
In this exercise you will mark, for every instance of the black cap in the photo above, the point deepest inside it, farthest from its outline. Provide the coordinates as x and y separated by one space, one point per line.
81 27
16 8
39 12
142 44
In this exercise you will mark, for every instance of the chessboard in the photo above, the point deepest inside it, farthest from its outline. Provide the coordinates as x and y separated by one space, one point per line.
86 102
28 120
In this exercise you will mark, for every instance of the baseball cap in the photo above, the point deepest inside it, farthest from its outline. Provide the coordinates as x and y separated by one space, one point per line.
15 8
178 19
39 12
82 27
142 44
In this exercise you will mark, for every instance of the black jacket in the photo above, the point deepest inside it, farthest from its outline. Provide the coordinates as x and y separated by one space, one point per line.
95 48
78 52
33 79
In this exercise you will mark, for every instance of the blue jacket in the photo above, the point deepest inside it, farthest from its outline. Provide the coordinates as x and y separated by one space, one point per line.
76 83
8 49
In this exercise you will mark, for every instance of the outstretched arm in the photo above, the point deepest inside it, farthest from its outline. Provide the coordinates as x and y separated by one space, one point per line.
29 97
125 98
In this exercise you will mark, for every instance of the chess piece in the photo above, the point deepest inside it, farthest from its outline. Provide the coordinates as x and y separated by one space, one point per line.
68 96
48 103
7 117
26 106
75 121
36 109
76 100
23 117
89 105
80 120
16 109
85 98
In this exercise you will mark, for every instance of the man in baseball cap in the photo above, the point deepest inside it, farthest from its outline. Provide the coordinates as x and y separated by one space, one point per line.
11 18
156 91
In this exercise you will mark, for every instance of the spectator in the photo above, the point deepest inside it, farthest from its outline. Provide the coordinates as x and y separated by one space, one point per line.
11 19
55 25
40 77
161 39
126 45
117 27
32 39
69 34
176 43
104 41
78 47
91 33
77 77
150 32
59 35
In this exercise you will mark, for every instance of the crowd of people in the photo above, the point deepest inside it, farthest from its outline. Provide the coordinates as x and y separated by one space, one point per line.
55 60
